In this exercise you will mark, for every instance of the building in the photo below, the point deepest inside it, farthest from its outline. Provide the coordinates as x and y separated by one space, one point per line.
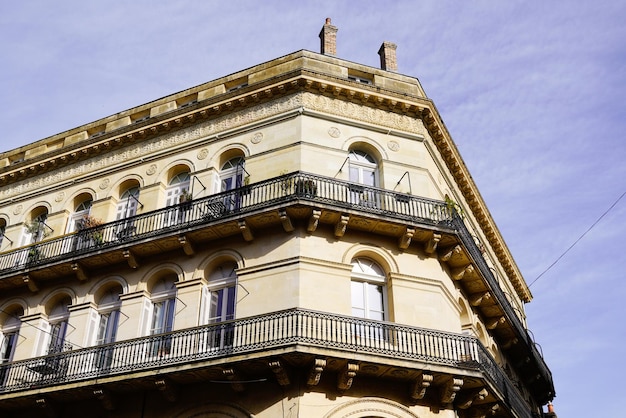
297 239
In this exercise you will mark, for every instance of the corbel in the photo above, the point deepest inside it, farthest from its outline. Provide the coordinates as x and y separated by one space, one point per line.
431 245
132 260
167 389
477 298
405 239
80 272
285 220
245 231
279 372
341 225
456 250
31 283
314 220
346 376
233 377
492 323
186 244
105 398
458 274
466 399
421 384
450 389
316 372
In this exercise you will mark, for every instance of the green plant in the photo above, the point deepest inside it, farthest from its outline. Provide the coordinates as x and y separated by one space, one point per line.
454 207
306 187
37 228
185 196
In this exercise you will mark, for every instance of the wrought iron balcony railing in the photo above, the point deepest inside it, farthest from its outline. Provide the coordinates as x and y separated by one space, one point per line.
264 332
233 203
338 194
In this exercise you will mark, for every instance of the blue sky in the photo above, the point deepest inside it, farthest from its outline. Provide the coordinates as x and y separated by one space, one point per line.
532 93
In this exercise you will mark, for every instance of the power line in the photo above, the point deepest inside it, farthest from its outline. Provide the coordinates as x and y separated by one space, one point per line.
579 238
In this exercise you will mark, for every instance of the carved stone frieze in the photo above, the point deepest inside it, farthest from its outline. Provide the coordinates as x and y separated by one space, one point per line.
172 139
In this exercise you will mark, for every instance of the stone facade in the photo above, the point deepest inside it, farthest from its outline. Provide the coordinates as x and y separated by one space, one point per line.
301 238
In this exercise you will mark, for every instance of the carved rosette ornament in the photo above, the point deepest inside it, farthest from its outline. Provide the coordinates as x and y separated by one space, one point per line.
18 209
151 170
202 154
257 137
59 197
334 132
104 184
393 145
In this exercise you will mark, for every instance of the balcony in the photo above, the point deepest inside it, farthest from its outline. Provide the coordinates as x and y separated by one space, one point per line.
313 336
316 200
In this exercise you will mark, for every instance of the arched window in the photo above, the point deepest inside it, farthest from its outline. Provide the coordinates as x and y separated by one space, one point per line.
363 171
81 212
37 229
163 299
222 289
108 313
127 205
3 226
368 289
177 187
363 168
177 192
219 304
106 319
58 318
232 174
9 333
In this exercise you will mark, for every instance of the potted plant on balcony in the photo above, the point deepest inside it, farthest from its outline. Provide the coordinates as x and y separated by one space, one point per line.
306 187
88 228
37 229
185 196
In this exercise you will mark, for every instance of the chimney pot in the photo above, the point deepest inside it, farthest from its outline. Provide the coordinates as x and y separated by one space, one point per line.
328 37
387 52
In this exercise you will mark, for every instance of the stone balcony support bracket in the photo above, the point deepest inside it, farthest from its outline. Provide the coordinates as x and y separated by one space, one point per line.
279 372
419 387
316 372
346 376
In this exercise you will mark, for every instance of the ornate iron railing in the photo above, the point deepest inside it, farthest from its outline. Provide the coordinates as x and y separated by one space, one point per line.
275 330
250 198
233 203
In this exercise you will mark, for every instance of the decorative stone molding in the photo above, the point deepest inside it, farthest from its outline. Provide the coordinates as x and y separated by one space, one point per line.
334 132
257 138
316 372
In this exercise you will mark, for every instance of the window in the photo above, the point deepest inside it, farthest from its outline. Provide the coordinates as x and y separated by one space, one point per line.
3 227
363 170
127 207
162 316
177 188
58 319
219 305
81 211
107 319
9 334
368 298
232 177
37 229
368 290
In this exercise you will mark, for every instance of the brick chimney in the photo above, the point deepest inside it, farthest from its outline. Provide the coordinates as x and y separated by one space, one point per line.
328 36
387 54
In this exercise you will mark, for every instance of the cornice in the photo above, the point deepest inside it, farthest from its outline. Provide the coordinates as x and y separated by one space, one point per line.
330 94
